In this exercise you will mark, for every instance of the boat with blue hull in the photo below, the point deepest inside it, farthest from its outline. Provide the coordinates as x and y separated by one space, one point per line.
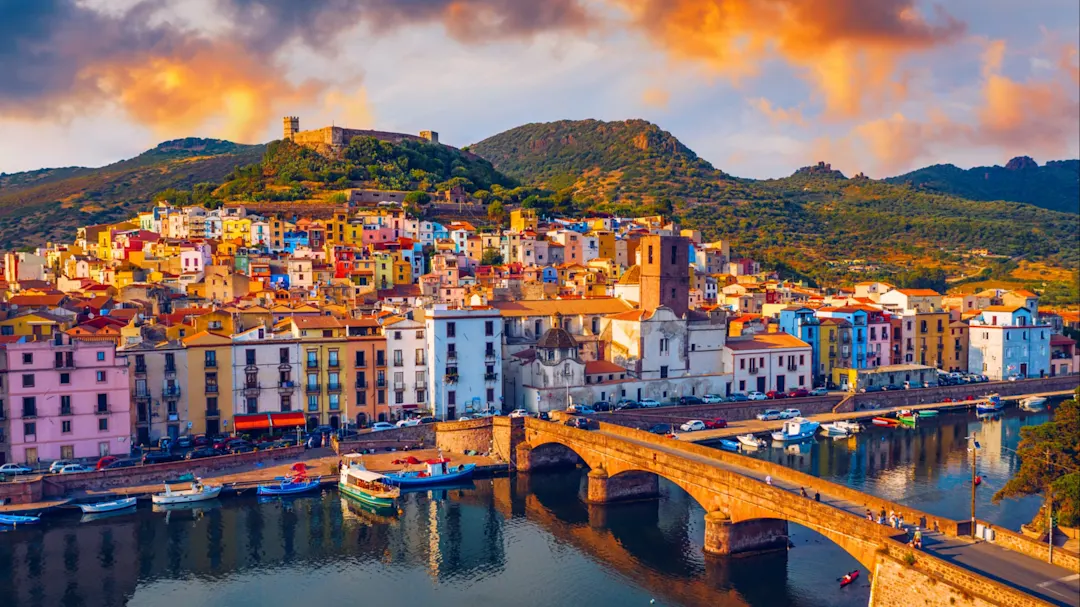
14 520
796 429
993 404
437 471
287 487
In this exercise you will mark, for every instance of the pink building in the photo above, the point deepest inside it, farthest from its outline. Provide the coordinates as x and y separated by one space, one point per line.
877 344
66 399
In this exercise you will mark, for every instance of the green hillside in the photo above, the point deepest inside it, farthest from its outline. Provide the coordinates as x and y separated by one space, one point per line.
816 223
49 204
1054 186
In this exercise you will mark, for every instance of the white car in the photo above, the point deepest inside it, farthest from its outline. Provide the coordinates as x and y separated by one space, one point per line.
755 395
768 415
464 418
75 469
380 426
649 403
59 464
519 413
712 399
790 414
14 469
693 425
406 423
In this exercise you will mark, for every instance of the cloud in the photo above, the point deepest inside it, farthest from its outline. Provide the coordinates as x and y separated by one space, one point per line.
655 97
777 115
847 49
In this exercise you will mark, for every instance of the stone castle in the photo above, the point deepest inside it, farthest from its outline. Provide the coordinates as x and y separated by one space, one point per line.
334 139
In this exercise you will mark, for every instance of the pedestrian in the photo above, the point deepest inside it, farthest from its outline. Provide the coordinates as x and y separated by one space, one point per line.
892 521
900 520
768 479
802 492
817 496
869 515
918 538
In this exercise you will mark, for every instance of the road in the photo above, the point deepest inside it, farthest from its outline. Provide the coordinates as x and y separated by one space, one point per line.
1048 582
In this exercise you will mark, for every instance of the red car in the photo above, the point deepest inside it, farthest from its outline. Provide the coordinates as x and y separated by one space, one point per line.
798 393
774 394
715 424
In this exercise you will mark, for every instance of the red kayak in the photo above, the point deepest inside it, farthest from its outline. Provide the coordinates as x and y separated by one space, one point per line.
849 578
885 421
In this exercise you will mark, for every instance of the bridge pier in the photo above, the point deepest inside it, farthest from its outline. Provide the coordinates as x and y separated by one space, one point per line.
725 538
603 489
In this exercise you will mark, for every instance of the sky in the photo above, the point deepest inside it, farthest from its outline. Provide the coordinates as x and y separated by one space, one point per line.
757 87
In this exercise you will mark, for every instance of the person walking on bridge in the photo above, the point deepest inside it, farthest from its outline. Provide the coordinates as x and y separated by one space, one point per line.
768 479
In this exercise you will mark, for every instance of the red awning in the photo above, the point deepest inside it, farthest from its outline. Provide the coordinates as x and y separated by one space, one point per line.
409 406
287 420
251 422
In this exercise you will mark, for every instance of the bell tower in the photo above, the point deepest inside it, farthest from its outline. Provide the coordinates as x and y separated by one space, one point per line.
292 126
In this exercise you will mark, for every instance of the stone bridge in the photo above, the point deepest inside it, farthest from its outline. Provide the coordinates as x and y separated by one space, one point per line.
746 514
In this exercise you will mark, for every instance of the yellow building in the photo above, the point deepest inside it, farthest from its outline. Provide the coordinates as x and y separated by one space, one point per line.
931 331
35 324
233 228
605 243
402 272
209 383
523 219
384 270
956 347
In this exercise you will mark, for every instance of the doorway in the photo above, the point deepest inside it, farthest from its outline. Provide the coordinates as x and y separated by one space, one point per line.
780 381
761 384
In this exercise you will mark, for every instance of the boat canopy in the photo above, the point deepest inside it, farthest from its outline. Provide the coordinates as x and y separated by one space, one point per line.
366 475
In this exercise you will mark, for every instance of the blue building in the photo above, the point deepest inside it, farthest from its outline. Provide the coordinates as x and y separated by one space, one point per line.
292 240
859 338
801 322
551 275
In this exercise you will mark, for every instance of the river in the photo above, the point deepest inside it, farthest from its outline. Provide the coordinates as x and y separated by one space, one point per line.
524 540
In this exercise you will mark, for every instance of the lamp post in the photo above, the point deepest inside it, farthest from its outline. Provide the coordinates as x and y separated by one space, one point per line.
974 449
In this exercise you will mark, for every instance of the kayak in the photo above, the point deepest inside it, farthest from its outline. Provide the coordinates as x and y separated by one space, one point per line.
885 421
928 413
849 578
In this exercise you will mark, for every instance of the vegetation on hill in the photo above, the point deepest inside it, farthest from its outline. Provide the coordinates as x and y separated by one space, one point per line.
816 224
48 205
1054 186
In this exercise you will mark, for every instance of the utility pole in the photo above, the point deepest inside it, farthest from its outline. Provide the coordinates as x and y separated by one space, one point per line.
974 448
1049 515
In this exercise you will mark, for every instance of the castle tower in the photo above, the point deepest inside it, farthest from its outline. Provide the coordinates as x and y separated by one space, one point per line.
431 136
292 126
665 273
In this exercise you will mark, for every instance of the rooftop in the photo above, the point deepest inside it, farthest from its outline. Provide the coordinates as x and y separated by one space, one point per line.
765 341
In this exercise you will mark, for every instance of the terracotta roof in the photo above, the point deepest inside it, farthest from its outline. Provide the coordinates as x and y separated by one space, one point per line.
569 307
1008 309
595 367
766 341
556 337
1023 293
919 292
316 322
1061 340
37 300
637 315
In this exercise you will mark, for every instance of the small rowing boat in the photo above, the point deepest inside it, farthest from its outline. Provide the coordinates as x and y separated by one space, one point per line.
851 426
993 404
120 504
907 420
1033 403
885 421
928 413
288 487
729 445
15 519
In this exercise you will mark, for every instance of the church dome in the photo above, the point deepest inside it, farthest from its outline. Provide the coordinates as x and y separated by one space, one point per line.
557 338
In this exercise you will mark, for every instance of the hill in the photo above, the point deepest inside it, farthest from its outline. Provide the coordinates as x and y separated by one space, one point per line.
816 224
49 204
1054 186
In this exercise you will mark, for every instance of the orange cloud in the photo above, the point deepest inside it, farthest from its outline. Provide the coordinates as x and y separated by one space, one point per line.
655 97
778 115
847 49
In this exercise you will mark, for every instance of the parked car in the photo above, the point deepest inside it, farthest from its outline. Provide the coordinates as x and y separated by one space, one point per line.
75 469
819 392
649 403
580 410
380 426
693 425
14 469
790 413
798 393
544 416
59 464
775 394
185 442
715 424
627 405
738 397
660 429
768 415
755 395
519 413
427 419
602 406
202 452
160 457
241 446
1014 377
712 399
464 418
120 463
201 440
690 400
581 423
406 423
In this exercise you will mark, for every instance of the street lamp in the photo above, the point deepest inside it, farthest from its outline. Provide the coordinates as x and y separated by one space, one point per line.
974 449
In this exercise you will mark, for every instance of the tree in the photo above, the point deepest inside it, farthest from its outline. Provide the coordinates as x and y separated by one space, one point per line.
491 257
338 198
496 212
1049 460
417 198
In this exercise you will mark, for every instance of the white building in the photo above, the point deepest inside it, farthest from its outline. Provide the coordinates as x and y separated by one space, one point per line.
769 361
464 357
406 345
266 373
1005 341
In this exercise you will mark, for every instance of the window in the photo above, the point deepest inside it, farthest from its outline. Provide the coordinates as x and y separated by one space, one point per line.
102 403
451 398
398 358
491 395
312 359
335 402
397 335
101 377
663 345
451 329
663 371
249 356
674 254
361 359
489 328
283 356
802 359
286 402
313 402
65 426
211 405
210 358
28 381
27 358
65 404
29 406
29 429
420 334
380 397
650 254
489 349
103 424
742 363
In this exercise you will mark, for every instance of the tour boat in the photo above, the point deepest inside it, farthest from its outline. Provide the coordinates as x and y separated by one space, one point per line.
886 421
15 519
796 429
750 441
369 487
992 404
120 504
834 430
1033 403
729 445
288 487
434 471
197 493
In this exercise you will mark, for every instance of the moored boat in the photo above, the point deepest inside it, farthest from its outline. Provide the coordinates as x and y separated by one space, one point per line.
907 419
796 429
110 506
750 441
834 430
15 520
928 413
434 472
289 487
992 404
891 422
851 426
369 487
198 492
729 445
1033 403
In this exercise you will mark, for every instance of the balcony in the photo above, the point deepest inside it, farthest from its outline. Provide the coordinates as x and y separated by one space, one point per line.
792 367
333 387
451 357
312 364
170 369
210 364
63 411
102 409
380 362
212 389
491 376
450 378
399 385
398 362
174 417
141 395
333 363
170 392
251 368
140 369
286 386
252 389
489 357
312 387
361 363
362 384
380 383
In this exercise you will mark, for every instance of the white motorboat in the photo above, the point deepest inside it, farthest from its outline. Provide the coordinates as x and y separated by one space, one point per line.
1033 403
796 429
120 504
197 493
834 430
750 441
852 427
